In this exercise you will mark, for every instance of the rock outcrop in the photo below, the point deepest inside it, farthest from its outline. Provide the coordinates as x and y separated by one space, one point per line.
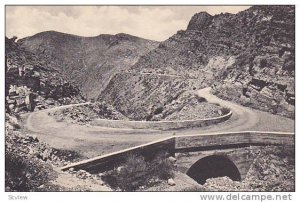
200 21
31 83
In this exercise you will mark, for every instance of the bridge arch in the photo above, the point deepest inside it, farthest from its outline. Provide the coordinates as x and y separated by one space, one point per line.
213 166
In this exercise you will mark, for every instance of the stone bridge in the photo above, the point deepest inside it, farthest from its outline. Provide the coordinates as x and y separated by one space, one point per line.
199 156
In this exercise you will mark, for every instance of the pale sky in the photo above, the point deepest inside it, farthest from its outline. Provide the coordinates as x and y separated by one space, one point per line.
150 22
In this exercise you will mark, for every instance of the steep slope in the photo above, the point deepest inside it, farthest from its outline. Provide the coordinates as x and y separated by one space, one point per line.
89 62
31 81
249 55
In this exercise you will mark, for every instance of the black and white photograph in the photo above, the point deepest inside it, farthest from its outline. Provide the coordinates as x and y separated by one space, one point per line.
149 98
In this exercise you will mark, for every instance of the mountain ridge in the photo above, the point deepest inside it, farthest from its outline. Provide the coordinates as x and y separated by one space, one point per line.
88 61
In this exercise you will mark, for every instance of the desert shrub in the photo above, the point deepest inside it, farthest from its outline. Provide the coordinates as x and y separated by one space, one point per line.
225 110
245 101
201 99
161 167
137 172
286 151
67 155
263 62
24 173
215 90
158 111
194 189
289 65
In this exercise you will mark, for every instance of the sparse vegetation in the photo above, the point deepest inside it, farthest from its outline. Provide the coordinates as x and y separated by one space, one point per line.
86 113
186 106
136 172
25 173
29 162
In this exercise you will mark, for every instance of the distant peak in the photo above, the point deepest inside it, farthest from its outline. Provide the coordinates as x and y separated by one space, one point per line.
49 34
202 13
126 36
119 37
199 21
123 34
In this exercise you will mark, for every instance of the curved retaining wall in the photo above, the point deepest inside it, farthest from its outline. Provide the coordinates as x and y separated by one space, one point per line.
160 125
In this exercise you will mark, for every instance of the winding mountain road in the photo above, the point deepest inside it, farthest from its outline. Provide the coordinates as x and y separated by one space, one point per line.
92 141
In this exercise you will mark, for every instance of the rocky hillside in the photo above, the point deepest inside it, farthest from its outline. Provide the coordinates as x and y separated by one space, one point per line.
31 83
89 62
247 57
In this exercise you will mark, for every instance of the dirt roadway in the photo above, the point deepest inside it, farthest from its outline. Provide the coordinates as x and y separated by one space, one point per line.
244 118
91 141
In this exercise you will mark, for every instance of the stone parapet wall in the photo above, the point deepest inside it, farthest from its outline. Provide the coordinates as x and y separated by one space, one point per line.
161 125
177 144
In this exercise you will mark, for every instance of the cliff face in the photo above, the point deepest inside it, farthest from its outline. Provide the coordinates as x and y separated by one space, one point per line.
89 62
263 75
247 57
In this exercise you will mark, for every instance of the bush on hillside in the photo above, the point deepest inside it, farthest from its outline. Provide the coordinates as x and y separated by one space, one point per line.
23 173
137 172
